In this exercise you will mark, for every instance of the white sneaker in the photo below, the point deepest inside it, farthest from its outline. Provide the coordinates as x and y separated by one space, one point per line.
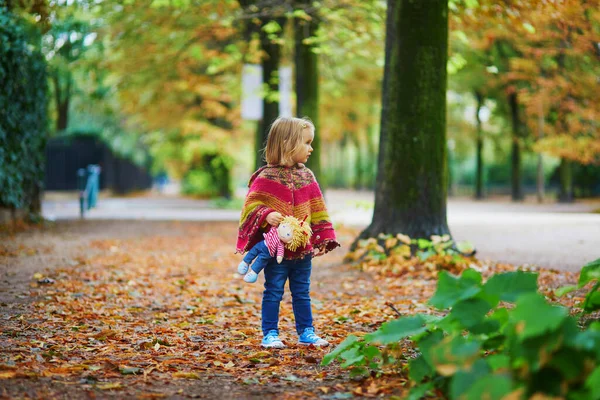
243 268
250 276
271 340
309 337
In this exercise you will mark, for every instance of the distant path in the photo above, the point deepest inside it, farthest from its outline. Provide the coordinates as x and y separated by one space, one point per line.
561 236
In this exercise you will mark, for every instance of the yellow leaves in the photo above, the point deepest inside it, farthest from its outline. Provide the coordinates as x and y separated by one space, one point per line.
105 334
109 386
228 365
186 375
8 374
584 149
446 369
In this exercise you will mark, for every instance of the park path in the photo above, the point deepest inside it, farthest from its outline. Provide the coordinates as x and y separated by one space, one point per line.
550 235
142 308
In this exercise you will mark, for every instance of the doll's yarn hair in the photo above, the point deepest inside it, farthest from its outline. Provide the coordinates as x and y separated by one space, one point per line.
301 232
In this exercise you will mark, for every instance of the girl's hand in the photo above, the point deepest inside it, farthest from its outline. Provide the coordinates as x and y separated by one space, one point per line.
318 253
274 218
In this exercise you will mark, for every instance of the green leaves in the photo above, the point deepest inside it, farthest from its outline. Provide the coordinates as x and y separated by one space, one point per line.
533 316
592 383
393 331
589 272
452 289
509 286
348 343
470 312
481 350
23 101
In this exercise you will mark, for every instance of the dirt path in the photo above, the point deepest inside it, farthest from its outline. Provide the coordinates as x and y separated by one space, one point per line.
151 309
122 287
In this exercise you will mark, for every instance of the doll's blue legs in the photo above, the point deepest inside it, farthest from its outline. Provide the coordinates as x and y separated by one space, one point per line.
261 257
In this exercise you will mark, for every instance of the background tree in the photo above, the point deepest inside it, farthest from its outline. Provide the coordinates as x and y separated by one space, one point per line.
306 61
410 195
266 19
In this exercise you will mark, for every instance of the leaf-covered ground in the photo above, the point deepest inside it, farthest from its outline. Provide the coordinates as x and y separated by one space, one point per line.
154 309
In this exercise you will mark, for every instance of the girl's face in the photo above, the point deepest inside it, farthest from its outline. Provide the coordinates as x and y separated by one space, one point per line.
305 149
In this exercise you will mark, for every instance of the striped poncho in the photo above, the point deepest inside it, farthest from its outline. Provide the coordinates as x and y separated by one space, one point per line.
289 191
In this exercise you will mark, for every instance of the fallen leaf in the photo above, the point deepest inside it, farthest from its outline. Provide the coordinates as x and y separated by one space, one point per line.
186 375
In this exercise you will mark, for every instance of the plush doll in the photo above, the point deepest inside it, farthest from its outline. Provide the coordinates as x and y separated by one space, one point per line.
291 234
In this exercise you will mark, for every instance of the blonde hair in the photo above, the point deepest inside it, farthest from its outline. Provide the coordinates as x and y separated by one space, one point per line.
285 136
301 232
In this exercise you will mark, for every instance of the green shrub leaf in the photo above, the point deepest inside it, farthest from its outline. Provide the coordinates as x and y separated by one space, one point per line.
533 316
491 387
349 342
470 312
418 392
463 380
353 356
498 362
419 369
593 384
589 272
509 286
393 331
564 290
452 289
453 354
592 299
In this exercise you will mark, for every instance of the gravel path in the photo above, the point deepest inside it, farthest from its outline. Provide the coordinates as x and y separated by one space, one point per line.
551 235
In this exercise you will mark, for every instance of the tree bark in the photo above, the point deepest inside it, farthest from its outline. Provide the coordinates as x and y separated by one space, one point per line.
411 188
479 168
516 186
566 181
307 83
270 76
62 97
540 164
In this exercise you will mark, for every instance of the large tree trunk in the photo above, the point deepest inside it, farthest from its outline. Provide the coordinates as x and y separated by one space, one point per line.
410 195
270 75
516 186
479 149
307 82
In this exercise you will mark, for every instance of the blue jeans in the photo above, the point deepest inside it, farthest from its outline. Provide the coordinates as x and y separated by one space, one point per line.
262 255
298 273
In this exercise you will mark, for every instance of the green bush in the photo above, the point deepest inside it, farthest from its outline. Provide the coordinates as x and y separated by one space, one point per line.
589 273
23 116
210 176
480 349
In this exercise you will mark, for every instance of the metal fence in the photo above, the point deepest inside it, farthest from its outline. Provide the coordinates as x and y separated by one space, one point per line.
65 155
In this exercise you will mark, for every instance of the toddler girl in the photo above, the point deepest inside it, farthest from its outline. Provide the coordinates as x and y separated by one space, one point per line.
286 187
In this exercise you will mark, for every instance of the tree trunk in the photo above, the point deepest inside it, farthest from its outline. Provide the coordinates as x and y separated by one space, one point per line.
566 181
540 164
270 76
307 83
479 149
411 189
62 97
360 166
516 186
371 160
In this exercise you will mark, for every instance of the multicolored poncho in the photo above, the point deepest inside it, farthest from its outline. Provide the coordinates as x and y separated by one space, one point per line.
289 191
